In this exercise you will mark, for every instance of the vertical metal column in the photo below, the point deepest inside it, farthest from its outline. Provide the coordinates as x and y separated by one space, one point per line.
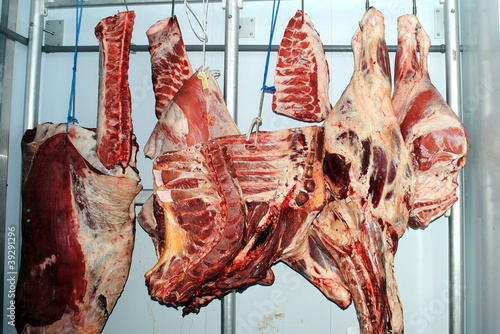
33 64
231 96
456 228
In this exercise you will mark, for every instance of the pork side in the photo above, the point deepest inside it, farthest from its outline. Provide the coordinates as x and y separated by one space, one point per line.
432 132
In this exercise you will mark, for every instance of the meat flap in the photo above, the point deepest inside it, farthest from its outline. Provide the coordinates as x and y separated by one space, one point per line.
170 66
302 76
196 114
114 119
432 132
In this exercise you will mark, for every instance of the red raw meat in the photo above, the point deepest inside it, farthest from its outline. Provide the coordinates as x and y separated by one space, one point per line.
252 206
201 218
114 121
302 76
196 114
370 174
77 232
433 133
170 65
77 218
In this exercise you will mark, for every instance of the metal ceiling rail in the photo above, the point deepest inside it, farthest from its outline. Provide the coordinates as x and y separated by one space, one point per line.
220 48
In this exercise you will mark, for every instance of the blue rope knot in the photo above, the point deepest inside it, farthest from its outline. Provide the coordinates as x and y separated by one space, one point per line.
268 89
72 119
71 105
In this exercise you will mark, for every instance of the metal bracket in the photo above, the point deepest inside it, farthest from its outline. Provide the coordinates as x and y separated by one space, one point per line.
240 4
439 23
54 32
247 27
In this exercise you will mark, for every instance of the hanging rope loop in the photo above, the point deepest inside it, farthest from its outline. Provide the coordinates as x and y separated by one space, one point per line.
72 105
203 37
257 121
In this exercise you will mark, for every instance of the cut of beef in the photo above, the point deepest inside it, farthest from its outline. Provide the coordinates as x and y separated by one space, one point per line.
370 174
302 76
114 122
201 217
196 114
170 66
228 210
78 211
77 232
433 133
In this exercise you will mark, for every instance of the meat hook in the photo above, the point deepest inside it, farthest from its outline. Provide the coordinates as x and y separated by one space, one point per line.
367 4
302 11
257 121
173 8
126 5
414 7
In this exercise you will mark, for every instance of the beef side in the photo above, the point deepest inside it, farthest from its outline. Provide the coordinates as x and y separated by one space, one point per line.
77 232
369 172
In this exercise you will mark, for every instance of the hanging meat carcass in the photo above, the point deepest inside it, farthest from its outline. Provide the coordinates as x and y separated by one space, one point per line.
170 65
433 133
227 210
370 174
302 76
78 211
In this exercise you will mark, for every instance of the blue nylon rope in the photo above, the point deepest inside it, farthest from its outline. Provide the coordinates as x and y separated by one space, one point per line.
71 107
274 18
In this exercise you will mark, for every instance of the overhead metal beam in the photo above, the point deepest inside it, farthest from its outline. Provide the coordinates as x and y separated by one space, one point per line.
220 48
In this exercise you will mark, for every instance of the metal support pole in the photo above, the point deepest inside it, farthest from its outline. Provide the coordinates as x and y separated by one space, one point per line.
33 64
231 96
456 228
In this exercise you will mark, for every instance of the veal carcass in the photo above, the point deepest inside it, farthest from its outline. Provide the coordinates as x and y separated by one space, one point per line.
302 76
433 133
78 210
369 172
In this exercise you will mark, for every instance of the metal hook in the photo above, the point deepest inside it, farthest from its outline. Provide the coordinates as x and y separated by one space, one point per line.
367 4
173 8
414 7
302 11
126 6
257 121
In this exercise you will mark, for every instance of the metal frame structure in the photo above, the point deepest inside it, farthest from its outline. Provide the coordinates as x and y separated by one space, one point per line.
456 225
8 40
231 49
